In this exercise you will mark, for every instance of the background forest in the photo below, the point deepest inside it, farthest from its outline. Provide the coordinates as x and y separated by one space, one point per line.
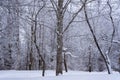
50 34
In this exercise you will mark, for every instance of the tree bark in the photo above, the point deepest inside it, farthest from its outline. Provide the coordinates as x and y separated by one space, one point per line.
65 63
59 37
90 63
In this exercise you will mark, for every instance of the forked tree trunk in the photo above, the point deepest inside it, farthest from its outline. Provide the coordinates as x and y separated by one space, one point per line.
60 10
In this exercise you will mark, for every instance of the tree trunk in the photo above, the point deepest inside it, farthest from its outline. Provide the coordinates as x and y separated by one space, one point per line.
38 50
96 42
42 59
30 61
89 64
59 37
65 63
119 64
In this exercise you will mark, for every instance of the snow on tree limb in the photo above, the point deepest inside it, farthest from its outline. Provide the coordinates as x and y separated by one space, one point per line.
116 41
69 53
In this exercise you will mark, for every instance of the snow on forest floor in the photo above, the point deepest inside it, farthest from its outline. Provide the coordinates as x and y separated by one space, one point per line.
50 75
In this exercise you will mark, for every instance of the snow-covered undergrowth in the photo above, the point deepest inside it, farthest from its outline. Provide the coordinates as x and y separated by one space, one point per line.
50 75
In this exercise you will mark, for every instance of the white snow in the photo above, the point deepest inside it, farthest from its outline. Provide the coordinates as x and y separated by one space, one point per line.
50 75
116 41
69 53
64 48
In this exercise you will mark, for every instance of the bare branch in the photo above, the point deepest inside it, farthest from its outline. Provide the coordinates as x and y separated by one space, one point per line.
74 16
113 26
54 5
65 7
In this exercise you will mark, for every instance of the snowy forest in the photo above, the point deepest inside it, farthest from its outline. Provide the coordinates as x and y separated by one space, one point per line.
60 35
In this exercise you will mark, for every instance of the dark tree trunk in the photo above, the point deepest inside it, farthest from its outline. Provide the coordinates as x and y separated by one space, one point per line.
65 63
59 37
119 65
42 59
30 62
89 64
38 50
95 40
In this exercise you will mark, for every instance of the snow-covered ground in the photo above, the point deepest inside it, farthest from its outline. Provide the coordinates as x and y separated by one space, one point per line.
50 75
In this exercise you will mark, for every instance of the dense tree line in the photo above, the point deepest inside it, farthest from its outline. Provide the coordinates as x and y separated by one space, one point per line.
60 34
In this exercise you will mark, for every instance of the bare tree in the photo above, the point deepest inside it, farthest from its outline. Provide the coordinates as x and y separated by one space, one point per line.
106 59
60 9
34 39
113 27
